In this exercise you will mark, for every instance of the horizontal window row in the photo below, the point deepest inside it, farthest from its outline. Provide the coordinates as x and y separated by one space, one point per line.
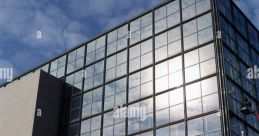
197 64
195 32
208 125
113 126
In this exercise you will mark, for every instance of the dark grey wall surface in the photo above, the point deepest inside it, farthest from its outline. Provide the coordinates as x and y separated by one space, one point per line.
49 105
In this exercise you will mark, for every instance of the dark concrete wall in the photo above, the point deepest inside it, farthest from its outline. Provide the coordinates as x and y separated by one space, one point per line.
49 102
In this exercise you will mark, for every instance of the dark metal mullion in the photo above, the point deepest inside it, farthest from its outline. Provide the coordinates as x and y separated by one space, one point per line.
63 108
198 40
167 55
103 84
220 67
49 67
127 78
68 100
183 67
154 78
82 93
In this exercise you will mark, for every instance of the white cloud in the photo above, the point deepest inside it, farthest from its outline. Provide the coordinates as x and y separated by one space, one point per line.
21 22
110 22
109 12
61 26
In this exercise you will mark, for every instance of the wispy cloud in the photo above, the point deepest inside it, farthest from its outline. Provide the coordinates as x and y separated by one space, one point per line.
20 21
63 23
23 20
108 13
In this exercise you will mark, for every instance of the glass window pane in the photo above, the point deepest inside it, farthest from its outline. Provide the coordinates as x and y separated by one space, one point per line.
162 101
191 58
146 20
135 51
175 112
189 28
163 131
193 91
212 123
119 129
194 107
174 34
174 48
209 86
161 69
190 41
176 97
162 117
186 3
95 123
208 67
210 102
192 73
161 53
205 35
189 12
195 127
202 6
204 21
161 40
160 25
207 52
172 7
177 129
160 13
173 19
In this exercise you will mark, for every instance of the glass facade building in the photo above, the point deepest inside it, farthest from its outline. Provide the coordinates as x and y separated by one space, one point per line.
185 61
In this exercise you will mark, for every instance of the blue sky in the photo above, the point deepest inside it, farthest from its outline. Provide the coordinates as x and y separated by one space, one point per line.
64 24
